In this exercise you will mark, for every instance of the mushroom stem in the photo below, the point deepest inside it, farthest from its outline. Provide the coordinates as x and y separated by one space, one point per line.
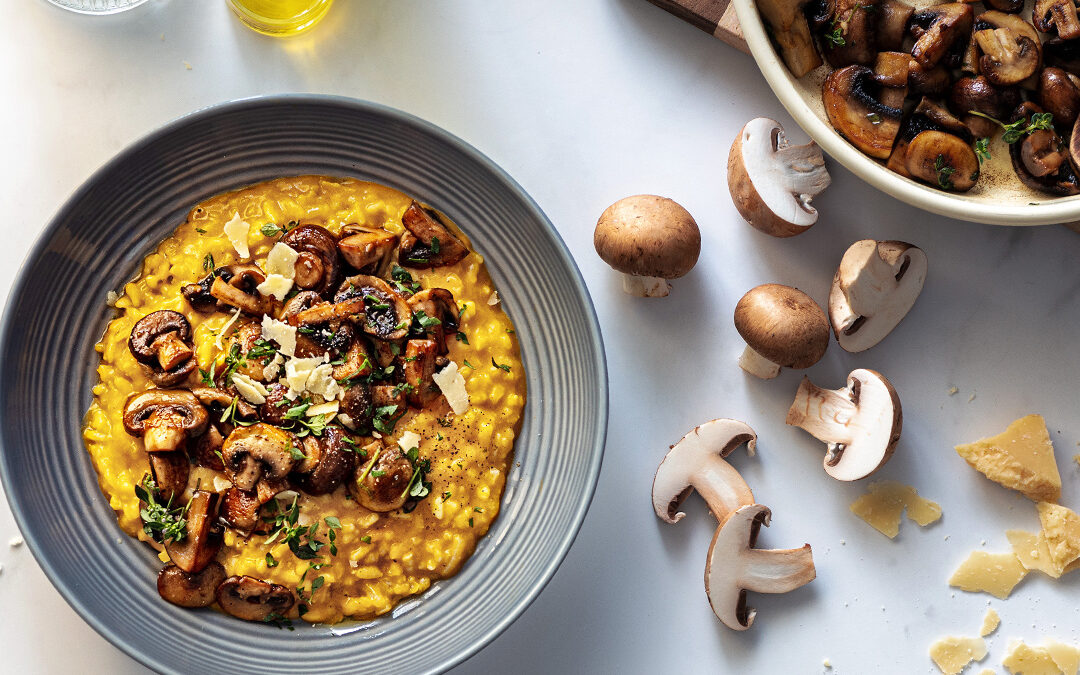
164 432
172 351
645 287
825 414
757 365
777 570
722 487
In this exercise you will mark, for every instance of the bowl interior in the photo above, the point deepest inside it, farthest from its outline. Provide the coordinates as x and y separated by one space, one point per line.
998 198
96 242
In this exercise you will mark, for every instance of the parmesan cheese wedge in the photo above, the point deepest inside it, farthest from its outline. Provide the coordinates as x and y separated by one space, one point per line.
275 285
1024 659
281 333
1061 529
408 441
1021 458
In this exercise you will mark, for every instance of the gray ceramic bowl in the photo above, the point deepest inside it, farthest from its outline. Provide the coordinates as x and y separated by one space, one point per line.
96 242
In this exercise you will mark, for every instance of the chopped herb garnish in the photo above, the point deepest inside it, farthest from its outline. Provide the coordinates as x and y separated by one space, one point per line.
161 521
208 262
270 561
207 376
270 230
403 280
874 118
366 538
462 337
278 620
296 453
1021 127
944 173
470 522
446 495
200 230
377 473
438 436
835 37
477 509
466 362
233 361
263 349
510 331
503 366
434 245
425 321
982 149
386 417
374 303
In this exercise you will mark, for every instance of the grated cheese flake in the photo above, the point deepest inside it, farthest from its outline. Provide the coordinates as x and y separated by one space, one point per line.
409 440
275 285
282 261
225 328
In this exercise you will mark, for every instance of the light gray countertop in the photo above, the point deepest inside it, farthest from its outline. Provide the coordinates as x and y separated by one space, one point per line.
584 102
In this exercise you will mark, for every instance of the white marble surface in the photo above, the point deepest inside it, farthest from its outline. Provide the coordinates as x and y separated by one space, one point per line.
583 102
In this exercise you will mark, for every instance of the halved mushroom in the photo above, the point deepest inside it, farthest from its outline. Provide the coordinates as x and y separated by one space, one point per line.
697 462
198 294
437 312
1048 15
190 590
1043 153
218 400
782 327
253 599
204 535
1007 6
164 418
318 263
367 250
853 36
237 286
875 286
358 361
1064 54
892 70
1040 152
1059 95
928 81
170 471
387 315
893 17
325 312
358 404
772 182
260 452
789 29
426 242
383 395
859 424
161 341
418 370
330 462
942 160
734 567
240 508
381 483
851 103
939 28
942 119
1010 48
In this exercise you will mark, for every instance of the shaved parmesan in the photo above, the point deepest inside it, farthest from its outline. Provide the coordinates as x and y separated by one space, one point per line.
297 372
253 391
228 324
322 382
493 299
281 333
237 232
409 440
271 370
282 261
452 384
275 285
347 421
329 409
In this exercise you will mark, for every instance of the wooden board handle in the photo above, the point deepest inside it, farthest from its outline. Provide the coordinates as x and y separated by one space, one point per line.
716 17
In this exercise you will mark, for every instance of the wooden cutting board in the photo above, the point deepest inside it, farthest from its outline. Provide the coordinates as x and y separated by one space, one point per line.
716 17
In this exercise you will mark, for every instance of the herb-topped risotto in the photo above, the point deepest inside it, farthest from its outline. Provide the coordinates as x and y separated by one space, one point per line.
307 401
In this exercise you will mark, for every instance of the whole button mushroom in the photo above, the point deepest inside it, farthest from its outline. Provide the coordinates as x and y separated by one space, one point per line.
161 341
257 453
190 590
772 182
382 482
782 327
253 599
650 240
860 424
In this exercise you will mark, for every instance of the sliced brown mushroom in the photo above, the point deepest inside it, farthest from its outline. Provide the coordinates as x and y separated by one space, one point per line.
240 509
1007 6
734 567
893 17
204 535
386 313
942 160
426 241
207 449
276 405
789 29
318 263
1064 54
383 395
170 471
253 599
941 119
245 334
190 590
257 453
928 81
1056 16
1043 153
358 404
1059 95
437 312
358 361
853 37
161 341
418 369
851 103
380 484
940 27
367 250
164 418
1009 47
198 294
218 400
306 347
335 462
236 286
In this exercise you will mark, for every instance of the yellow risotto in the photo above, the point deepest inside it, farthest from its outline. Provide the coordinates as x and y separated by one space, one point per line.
357 562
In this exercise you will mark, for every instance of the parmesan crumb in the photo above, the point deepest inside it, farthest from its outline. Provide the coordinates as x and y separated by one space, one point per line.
110 298
972 397
827 663
493 299
452 384
252 390
409 440
16 541
225 328
187 66
953 391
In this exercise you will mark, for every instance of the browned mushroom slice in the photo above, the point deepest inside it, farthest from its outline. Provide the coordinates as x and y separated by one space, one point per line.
380 484
170 471
318 264
204 536
1064 181
1049 15
853 36
426 241
942 160
164 418
387 315
335 463
928 81
851 103
1064 54
387 394
240 509
941 26
258 452
207 450
1009 47
325 312
253 599
367 250
1007 6
161 341
1059 95
789 29
276 405
359 405
237 287
218 400
437 314
942 119
419 367
190 590
305 346
358 362
977 95
198 294
1043 153
892 22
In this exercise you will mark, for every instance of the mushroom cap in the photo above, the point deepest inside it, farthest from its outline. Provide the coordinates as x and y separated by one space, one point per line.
870 125
318 263
190 413
418 244
875 286
253 599
190 590
154 325
649 236
734 566
387 315
335 463
771 182
257 453
693 461
380 483
783 324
